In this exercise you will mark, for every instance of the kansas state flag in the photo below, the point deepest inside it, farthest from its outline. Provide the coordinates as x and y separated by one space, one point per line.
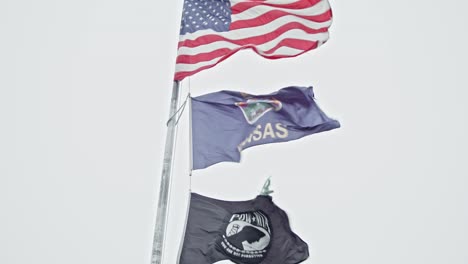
226 122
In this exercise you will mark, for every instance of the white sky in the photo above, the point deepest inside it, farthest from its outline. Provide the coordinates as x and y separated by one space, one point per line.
84 94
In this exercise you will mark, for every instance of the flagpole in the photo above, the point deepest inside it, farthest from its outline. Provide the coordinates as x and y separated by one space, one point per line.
163 202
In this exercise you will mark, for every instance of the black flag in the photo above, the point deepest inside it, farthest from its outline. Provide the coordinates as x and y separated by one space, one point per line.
247 232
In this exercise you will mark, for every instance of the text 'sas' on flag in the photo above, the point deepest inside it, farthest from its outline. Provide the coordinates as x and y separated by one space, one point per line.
213 30
226 122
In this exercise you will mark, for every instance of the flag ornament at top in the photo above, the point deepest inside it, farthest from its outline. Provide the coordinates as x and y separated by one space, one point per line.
213 30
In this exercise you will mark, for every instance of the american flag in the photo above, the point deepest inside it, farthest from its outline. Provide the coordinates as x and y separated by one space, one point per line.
213 30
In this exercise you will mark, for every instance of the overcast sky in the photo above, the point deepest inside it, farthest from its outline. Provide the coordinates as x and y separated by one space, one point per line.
84 99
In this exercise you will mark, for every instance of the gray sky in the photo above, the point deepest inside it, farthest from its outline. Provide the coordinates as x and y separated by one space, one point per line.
84 95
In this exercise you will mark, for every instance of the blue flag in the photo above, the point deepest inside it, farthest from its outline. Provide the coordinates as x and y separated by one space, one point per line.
226 122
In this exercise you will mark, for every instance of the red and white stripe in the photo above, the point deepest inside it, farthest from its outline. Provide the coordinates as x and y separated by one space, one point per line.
272 28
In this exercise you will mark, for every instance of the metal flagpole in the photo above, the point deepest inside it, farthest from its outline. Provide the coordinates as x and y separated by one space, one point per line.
161 216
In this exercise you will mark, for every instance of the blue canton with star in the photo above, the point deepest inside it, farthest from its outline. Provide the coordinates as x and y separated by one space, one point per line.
205 14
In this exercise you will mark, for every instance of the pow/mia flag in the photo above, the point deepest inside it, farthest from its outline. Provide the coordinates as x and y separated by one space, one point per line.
226 122
248 232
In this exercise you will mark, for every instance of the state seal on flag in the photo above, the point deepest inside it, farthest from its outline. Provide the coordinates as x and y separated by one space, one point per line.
253 109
